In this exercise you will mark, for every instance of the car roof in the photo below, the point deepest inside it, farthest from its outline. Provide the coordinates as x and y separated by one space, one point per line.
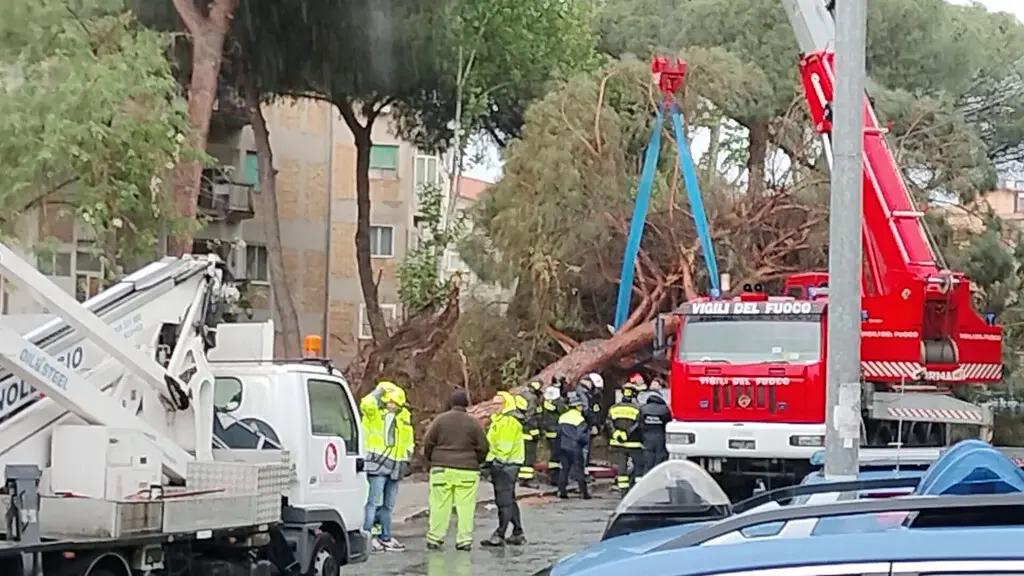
910 546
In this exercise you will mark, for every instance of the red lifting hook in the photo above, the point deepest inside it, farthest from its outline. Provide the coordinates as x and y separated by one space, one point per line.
668 75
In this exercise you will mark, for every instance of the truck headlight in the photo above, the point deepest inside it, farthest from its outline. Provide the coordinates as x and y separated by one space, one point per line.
807 441
680 438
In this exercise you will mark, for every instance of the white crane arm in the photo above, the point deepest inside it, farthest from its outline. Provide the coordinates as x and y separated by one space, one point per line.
812 24
79 396
59 302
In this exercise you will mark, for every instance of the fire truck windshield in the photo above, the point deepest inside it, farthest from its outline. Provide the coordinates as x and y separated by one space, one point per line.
746 339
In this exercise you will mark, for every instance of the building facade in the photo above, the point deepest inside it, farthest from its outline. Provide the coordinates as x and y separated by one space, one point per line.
315 158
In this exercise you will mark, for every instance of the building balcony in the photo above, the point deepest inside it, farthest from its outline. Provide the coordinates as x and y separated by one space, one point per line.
224 200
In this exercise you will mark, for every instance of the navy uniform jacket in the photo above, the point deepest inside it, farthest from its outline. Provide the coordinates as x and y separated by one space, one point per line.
573 432
654 415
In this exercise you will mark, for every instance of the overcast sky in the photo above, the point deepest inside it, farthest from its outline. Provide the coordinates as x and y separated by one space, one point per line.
489 168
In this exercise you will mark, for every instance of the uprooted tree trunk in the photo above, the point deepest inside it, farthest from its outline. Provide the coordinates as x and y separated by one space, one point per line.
208 33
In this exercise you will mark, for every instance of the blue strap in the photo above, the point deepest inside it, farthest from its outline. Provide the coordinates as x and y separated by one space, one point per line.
636 225
700 218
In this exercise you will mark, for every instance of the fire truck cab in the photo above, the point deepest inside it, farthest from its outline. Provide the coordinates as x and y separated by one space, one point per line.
748 391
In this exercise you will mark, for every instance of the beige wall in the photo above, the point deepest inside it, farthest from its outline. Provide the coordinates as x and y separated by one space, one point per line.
301 140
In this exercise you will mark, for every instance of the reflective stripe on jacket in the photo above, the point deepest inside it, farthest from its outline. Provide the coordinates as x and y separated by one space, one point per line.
384 436
624 425
505 434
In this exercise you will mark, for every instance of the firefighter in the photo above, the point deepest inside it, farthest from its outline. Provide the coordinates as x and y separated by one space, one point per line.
624 440
638 382
552 408
593 386
654 416
573 443
534 399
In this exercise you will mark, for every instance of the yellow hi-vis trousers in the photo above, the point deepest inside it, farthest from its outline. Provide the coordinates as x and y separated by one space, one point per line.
452 487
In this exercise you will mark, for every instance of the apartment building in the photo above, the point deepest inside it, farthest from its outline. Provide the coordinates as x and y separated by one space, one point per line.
470 190
314 155
1006 201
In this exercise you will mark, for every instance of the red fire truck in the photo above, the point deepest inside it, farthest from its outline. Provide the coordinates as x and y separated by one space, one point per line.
748 374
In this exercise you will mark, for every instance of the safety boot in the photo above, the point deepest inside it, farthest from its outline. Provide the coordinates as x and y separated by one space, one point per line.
495 541
516 540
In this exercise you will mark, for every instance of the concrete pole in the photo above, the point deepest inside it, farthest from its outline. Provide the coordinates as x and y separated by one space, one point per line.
325 330
842 438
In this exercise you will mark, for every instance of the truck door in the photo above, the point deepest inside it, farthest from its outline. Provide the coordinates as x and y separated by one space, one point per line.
335 460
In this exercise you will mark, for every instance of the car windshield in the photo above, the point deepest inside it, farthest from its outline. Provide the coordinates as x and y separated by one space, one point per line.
742 339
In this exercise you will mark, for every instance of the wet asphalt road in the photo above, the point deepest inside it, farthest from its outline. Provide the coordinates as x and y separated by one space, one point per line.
554 529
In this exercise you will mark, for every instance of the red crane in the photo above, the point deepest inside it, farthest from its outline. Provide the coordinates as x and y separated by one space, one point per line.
748 373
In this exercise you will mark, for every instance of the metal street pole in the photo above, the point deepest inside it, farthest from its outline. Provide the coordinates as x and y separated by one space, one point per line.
842 438
325 335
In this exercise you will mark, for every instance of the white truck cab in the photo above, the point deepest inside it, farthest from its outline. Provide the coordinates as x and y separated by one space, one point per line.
306 407
141 432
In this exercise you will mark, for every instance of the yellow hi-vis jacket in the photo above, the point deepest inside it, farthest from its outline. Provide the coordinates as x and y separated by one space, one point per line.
388 440
505 433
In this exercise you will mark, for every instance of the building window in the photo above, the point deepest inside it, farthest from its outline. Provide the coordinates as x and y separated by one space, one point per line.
390 315
54 263
455 262
89 271
251 171
384 161
427 172
382 241
256 268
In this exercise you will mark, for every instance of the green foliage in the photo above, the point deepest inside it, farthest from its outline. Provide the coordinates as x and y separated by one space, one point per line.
90 118
498 56
420 281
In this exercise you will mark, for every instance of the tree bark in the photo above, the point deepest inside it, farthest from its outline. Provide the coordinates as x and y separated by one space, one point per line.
287 316
757 149
710 159
364 264
208 33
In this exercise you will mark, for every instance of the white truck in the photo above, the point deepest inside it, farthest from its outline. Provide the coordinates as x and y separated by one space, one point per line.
138 435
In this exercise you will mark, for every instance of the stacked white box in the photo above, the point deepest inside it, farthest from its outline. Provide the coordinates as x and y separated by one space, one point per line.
266 480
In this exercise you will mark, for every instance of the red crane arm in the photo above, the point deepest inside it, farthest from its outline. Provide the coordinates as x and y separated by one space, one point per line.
896 245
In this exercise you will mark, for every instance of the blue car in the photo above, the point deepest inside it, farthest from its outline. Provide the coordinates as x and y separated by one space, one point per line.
969 468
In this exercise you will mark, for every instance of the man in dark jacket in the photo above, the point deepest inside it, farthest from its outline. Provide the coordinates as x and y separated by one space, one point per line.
455 446
654 416
573 444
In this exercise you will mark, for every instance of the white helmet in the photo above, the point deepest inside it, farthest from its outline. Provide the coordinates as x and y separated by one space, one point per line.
552 393
597 380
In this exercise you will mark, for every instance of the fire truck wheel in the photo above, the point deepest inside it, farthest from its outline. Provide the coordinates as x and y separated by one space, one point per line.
326 561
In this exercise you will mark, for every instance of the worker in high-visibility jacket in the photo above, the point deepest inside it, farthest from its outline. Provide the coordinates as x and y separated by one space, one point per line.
387 433
504 458
573 444
552 407
531 404
624 442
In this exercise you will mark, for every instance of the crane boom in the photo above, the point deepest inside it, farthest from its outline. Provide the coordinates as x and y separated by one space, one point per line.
895 239
917 315
114 324
47 293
